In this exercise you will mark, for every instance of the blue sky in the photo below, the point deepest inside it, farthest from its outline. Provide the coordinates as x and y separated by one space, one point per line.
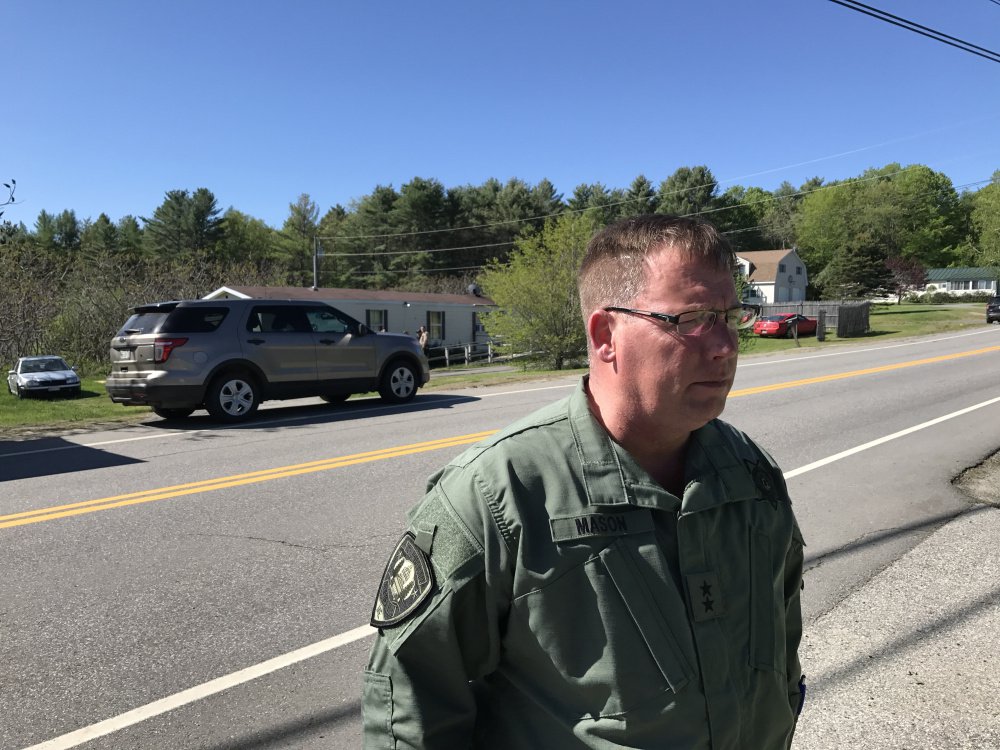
108 104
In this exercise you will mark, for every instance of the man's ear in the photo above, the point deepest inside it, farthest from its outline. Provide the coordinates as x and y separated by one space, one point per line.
600 332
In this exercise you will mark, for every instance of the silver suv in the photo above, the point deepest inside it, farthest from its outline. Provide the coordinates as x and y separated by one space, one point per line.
228 356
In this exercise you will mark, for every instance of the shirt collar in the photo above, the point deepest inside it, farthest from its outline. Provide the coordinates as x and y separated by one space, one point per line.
714 474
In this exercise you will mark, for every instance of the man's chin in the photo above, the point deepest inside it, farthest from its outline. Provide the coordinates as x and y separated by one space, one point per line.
704 410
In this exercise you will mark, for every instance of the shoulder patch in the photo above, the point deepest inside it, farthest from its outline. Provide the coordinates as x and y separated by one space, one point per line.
406 582
764 479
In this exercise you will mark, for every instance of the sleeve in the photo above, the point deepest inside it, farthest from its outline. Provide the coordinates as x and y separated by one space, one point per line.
793 622
418 682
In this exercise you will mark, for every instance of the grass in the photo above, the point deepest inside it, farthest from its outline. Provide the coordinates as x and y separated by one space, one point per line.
94 408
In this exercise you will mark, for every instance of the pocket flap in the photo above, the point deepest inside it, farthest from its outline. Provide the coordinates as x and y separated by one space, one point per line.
628 579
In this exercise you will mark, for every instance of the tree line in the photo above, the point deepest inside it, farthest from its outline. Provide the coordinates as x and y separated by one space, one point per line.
69 282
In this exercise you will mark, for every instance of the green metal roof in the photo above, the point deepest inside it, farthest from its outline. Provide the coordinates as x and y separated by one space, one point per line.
961 274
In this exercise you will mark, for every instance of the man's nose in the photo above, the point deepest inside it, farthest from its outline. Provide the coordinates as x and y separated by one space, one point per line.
723 340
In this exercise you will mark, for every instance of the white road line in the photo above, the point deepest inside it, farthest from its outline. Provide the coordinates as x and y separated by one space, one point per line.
137 715
73 446
530 390
887 438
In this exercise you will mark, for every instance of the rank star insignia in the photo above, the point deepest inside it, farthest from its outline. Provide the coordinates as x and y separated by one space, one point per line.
706 596
407 581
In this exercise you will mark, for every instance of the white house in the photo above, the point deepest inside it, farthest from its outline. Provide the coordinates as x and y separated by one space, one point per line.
450 319
778 275
961 280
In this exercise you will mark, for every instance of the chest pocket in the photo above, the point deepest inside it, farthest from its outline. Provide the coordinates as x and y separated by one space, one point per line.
767 617
615 630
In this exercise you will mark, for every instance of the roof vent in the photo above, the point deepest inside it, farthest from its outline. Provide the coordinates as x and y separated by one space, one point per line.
474 290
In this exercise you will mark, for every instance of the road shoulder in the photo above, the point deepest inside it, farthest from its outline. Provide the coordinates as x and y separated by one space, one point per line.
910 659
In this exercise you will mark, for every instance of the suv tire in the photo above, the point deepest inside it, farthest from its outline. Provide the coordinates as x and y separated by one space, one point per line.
172 413
399 382
232 397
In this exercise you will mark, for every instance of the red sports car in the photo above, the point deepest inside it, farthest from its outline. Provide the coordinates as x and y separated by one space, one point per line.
784 325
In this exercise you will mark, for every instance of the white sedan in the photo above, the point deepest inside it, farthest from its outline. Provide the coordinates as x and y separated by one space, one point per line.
48 375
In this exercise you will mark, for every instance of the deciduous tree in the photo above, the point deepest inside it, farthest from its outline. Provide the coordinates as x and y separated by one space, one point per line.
986 222
538 310
906 275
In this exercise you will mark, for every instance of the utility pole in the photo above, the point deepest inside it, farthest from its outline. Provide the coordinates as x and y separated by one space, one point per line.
315 262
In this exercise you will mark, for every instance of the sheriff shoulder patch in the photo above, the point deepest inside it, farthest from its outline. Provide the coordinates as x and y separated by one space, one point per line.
406 582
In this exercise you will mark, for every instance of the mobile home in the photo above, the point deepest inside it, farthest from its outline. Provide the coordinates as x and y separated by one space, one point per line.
450 319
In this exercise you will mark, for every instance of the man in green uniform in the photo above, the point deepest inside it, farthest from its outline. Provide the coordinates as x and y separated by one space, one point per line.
620 569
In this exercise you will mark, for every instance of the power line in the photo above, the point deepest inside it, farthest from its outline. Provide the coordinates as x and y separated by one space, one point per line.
416 252
917 28
418 270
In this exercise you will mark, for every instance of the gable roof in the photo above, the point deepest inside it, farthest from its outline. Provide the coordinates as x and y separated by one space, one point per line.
361 295
764 263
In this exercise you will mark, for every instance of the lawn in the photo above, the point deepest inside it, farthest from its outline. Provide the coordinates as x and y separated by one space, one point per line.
93 407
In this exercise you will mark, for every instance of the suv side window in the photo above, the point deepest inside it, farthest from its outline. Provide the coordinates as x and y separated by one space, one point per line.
329 320
277 319
194 320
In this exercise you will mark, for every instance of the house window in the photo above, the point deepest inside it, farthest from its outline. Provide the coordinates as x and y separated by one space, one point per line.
477 324
377 320
435 325
798 270
781 268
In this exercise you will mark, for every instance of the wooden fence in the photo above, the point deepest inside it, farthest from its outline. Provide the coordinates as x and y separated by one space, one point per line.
846 318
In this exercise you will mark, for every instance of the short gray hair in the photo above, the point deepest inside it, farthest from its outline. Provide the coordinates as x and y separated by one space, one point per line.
613 271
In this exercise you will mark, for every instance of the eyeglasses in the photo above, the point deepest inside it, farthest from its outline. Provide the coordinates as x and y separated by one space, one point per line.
698 322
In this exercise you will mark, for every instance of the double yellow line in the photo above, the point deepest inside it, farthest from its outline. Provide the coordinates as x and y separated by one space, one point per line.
221 483
857 373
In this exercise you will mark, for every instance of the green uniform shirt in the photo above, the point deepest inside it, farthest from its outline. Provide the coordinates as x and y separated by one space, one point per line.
549 594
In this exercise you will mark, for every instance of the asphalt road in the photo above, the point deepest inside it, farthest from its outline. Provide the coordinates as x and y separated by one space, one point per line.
209 587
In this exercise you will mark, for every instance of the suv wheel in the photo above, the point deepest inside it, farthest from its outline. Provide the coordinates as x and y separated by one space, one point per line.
399 382
172 413
232 397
